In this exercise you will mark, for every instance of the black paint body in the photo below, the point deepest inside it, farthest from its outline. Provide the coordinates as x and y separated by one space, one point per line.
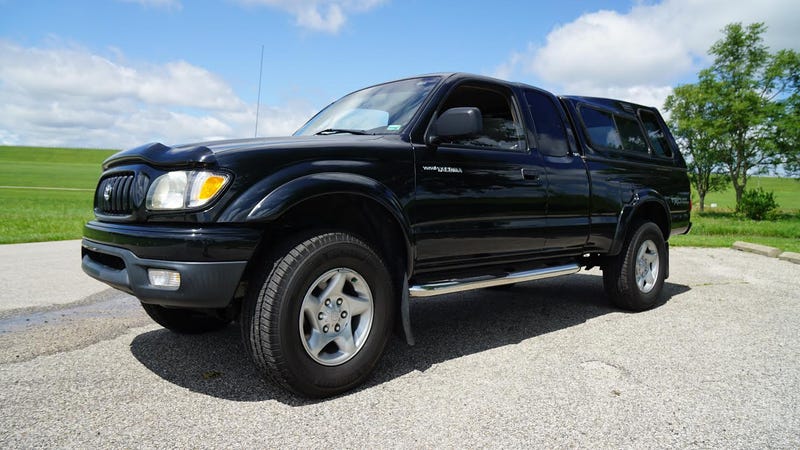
459 210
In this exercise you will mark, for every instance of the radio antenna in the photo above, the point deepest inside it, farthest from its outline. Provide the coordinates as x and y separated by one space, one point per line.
258 102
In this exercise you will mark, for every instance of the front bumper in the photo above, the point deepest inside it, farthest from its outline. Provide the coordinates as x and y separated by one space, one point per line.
210 261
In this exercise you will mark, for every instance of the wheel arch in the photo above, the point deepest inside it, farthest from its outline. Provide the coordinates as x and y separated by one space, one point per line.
645 206
338 201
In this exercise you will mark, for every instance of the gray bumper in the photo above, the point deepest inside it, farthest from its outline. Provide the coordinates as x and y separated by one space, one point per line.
203 284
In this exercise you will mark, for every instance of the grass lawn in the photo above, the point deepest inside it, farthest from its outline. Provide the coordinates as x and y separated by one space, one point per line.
786 190
720 227
33 215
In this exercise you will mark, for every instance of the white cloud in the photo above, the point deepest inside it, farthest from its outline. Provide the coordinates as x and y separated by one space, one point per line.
72 97
78 73
169 5
614 48
318 15
638 54
506 70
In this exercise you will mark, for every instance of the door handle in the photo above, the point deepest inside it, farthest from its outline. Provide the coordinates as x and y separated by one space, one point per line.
531 175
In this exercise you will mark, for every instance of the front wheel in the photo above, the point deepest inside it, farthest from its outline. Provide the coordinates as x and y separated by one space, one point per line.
320 314
634 279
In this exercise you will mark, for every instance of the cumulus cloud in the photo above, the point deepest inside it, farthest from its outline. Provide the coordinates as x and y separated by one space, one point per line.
73 97
614 48
318 15
639 54
78 73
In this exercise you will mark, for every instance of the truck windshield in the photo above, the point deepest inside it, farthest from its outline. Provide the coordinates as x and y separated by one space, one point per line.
386 108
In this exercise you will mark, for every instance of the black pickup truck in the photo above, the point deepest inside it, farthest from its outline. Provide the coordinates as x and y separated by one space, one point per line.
418 187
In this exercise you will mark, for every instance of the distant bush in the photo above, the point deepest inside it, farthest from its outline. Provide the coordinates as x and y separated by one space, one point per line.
758 204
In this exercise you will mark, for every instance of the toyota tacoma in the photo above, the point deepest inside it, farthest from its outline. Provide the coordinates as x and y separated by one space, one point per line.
424 186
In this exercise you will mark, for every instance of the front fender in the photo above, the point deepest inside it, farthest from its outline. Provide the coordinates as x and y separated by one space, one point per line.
284 197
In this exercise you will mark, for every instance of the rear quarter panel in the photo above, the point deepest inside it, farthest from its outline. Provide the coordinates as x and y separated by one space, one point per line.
622 181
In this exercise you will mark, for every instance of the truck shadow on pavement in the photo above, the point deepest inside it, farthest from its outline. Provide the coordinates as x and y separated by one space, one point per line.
445 328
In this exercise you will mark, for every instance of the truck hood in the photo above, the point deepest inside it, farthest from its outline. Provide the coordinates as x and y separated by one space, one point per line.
205 154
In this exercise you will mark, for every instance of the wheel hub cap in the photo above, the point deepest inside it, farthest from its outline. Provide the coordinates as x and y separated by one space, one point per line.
336 316
647 266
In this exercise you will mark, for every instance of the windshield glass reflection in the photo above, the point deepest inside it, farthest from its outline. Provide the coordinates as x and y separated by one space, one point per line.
387 108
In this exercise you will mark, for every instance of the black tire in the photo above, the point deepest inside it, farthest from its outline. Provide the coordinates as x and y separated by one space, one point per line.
184 321
280 326
620 280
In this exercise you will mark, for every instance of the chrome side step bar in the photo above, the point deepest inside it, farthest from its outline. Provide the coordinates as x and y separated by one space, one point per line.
468 284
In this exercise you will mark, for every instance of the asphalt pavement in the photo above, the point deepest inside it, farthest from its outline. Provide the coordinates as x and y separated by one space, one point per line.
43 274
545 364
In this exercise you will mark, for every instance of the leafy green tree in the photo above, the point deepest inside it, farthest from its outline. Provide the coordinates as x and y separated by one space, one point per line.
749 98
689 106
788 133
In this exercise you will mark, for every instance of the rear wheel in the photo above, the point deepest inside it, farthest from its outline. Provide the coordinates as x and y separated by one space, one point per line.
185 321
634 279
320 314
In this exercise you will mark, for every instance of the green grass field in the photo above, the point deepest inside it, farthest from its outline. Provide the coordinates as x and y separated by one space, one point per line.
720 227
713 229
59 212
32 215
787 194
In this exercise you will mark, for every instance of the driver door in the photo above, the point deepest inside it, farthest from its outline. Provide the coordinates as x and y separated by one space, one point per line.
480 199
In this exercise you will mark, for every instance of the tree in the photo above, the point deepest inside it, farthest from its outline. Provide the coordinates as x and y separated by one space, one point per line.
689 106
788 135
749 98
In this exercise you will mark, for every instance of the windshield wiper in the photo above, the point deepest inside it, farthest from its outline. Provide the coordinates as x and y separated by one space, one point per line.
340 130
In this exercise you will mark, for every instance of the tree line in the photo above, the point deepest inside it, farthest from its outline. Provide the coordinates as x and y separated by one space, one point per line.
742 116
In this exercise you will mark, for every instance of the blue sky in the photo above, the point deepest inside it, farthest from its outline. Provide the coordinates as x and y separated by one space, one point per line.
116 73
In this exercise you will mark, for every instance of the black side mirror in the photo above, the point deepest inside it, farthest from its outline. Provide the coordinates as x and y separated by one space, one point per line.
455 122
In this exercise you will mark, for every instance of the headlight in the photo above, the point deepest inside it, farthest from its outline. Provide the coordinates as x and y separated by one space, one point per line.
185 189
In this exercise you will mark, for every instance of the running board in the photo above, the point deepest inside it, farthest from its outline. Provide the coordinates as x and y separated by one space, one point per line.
468 284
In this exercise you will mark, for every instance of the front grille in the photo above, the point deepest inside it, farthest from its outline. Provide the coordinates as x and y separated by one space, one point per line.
116 195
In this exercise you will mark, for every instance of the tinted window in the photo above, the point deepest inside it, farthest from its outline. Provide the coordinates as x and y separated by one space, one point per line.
550 134
632 137
655 134
613 131
601 128
501 127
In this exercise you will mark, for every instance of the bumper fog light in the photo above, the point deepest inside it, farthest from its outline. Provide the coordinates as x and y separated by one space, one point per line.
164 279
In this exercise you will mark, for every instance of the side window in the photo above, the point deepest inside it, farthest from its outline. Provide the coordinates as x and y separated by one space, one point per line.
613 131
601 128
550 134
655 134
632 137
502 130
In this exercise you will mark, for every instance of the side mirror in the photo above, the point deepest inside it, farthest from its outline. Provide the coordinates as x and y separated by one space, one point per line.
455 122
